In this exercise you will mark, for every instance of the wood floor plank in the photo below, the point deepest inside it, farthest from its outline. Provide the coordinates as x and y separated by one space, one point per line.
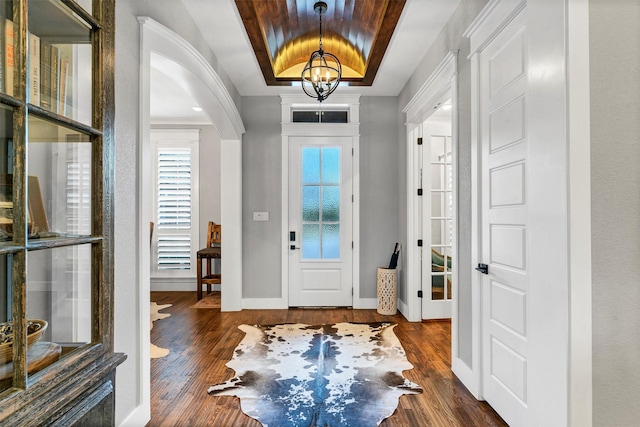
201 341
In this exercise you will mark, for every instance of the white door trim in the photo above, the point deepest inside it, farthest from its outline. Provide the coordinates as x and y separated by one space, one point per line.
418 109
351 129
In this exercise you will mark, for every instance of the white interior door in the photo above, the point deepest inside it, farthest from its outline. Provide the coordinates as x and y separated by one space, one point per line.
320 222
504 224
437 216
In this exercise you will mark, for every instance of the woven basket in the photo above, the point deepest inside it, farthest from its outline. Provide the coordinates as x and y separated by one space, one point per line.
6 349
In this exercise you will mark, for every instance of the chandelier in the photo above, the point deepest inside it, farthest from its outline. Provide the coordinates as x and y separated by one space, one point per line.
322 73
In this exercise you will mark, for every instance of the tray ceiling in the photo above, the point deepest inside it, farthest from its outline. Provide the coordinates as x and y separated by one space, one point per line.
284 33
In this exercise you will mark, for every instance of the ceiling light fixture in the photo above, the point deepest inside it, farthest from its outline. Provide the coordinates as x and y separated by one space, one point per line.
196 108
323 71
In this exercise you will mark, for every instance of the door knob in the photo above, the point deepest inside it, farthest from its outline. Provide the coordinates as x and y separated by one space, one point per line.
483 268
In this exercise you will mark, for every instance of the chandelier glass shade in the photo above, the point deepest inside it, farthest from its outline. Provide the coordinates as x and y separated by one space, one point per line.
323 71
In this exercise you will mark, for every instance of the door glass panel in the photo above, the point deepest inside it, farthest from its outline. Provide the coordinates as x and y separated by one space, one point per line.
310 165
321 191
331 203
310 241
441 173
331 165
437 203
437 148
330 240
437 286
437 177
311 203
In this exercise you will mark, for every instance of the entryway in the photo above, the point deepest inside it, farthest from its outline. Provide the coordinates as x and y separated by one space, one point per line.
320 202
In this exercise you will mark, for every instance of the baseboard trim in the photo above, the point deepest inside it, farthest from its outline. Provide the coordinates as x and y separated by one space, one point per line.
183 284
140 416
465 375
365 303
264 304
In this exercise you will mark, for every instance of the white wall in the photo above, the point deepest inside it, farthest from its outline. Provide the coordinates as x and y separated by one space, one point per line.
130 390
615 208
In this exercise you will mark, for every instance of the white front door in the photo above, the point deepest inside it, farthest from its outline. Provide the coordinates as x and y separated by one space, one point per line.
504 223
320 222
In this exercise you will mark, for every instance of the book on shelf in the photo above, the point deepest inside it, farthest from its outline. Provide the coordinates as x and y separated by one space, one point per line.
45 74
55 72
34 69
63 86
9 57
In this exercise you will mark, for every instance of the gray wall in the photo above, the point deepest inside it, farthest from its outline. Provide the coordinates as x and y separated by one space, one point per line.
379 181
127 326
615 209
450 39
261 188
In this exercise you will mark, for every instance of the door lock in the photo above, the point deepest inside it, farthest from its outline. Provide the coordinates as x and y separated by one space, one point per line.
483 268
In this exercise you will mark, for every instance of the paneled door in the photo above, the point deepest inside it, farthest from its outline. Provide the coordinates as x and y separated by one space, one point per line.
505 211
320 222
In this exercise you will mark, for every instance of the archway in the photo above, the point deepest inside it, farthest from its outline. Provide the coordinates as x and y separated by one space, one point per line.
207 87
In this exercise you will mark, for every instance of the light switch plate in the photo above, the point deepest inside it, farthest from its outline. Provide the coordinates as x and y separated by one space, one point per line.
261 216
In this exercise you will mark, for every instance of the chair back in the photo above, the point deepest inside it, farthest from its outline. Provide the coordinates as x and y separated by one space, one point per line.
214 234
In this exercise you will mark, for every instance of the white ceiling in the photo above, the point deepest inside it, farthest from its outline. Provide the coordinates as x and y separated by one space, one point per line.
220 24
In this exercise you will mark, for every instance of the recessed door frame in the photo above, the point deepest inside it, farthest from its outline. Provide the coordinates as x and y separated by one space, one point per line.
350 129
442 81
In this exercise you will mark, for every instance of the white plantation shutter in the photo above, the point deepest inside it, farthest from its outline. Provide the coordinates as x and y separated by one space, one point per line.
174 208
175 202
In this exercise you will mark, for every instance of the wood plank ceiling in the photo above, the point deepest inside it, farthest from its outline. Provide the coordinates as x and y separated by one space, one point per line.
284 33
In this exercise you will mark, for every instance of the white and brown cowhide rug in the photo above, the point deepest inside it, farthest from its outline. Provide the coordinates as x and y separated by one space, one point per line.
345 374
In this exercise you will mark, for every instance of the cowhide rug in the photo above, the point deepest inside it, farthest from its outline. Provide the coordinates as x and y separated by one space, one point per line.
154 310
346 374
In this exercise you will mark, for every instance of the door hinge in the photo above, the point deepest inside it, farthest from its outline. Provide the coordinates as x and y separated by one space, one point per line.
353 152
420 242
419 191
420 294
420 141
353 198
352 244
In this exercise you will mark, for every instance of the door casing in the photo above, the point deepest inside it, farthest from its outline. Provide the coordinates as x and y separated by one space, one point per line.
289 130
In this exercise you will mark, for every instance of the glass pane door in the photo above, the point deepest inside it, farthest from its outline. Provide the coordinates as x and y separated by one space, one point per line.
320 202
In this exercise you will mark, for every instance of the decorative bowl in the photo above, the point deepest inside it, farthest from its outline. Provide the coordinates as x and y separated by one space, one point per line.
35 329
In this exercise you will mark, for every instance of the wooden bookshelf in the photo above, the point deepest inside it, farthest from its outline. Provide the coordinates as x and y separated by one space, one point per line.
56 213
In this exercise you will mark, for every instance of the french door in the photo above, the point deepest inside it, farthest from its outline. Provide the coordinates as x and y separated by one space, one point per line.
320 221
436 212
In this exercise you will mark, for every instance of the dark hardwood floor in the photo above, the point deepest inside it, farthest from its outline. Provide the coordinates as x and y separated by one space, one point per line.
201 341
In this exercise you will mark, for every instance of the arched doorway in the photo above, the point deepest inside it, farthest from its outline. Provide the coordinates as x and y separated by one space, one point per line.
208 89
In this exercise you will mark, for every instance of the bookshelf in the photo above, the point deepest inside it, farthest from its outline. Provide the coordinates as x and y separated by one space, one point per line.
56 212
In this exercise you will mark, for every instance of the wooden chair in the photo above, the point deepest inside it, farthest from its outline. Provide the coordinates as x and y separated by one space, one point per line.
212 252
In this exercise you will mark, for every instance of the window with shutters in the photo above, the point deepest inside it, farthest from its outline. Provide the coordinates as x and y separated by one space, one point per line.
175 236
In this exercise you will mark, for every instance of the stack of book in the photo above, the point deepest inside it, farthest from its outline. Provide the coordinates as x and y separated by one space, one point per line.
48 69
